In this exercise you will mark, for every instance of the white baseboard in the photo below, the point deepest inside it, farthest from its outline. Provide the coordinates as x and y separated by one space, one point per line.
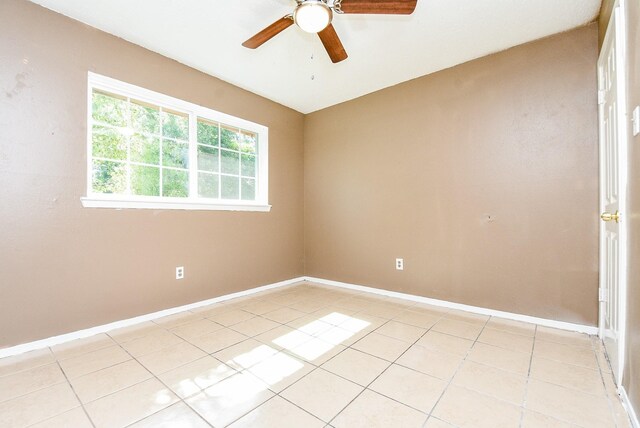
633 416
475 309
80 334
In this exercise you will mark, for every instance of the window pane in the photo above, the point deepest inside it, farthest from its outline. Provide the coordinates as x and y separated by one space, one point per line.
248 165
145 180
208 185
249 142
108 143
230 187
230 162
175 183
248 189
229 138
145 118
109 109
109 177
145 149
175 154
207 158
175 125
207 133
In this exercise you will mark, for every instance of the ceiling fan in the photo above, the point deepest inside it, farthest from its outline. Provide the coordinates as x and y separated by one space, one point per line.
315 16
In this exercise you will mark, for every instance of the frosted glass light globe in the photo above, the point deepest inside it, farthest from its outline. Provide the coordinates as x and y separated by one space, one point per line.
313 16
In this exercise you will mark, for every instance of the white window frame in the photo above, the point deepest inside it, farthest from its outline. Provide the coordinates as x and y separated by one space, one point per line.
194 111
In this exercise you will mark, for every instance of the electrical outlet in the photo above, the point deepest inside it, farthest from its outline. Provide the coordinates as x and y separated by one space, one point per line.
399 264
635 118
180 272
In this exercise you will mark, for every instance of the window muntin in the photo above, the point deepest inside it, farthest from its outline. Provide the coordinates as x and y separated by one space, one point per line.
147 147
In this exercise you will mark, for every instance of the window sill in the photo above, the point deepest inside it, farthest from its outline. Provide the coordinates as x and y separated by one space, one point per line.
92 202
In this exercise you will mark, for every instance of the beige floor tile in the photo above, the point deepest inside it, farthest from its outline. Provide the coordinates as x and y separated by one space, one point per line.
26 361
178 415
254 326
280 370
310 325
284 315
231 317
154 341
512 361
93 361
445 343
512 326
230 399
338 336
409 387
75 418
564 337
434 422
220 339
260 307
126 334
506 340
245 354
566 354
175 320
469 317
361 322
383 310
381 346
26 381
568 375
82 346
316 351
130 405
278 413
538 420
372 410
196 376
491 381
418 319
283 337
37 406
308 305
322 393
400 331
196 328
356 366
106 381
469 409
171 357
458 328
569 405
603 362
334 315
429 361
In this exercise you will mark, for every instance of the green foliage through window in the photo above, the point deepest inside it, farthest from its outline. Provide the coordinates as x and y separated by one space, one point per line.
142 149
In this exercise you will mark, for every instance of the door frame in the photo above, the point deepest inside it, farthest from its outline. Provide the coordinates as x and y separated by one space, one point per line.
618 14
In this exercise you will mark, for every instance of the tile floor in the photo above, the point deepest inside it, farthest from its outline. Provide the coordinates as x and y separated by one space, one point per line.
312 356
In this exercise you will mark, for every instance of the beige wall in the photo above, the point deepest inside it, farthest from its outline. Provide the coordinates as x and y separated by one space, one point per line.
483 177
64 267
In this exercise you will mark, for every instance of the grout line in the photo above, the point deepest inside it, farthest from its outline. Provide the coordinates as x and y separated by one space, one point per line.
76 394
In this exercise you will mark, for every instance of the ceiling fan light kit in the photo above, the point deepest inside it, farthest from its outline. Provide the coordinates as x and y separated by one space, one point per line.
315 16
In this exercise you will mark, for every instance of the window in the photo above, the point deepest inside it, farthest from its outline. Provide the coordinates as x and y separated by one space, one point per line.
148 150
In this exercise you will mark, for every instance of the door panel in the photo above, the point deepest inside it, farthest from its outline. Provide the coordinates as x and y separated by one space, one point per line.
613 144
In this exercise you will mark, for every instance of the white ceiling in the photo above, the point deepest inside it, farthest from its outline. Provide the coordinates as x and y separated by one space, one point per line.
293 69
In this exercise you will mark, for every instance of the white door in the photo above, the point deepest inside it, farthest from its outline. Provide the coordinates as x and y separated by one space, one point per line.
613 174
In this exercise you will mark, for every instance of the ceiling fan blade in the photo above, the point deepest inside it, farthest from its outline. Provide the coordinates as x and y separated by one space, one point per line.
391 7
271 31
332 44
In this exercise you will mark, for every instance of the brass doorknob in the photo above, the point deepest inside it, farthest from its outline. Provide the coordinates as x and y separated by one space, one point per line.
608 216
